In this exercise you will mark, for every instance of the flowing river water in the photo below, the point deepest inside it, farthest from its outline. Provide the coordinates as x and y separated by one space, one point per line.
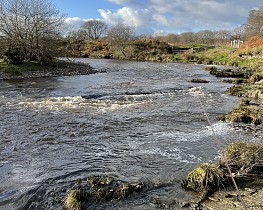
133 120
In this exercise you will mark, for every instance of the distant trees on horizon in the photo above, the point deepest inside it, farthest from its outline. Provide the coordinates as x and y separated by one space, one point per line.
95 29
31 30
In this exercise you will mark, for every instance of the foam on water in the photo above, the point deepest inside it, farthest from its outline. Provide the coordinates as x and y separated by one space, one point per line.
103 103
220 128
196 91
175 154
77 102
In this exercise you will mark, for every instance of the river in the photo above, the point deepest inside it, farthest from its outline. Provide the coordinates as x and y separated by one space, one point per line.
133 120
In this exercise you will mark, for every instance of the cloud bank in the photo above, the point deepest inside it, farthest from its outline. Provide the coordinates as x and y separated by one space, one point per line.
176 16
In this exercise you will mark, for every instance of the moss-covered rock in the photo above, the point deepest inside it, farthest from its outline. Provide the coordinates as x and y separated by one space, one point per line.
246 113
211 68
251 90
229 72
98 189
99 181
202 178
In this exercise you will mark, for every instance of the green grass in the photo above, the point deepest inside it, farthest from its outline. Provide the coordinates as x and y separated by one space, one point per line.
251 63
18 69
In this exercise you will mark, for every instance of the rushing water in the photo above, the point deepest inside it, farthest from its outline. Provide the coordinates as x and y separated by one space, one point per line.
134 120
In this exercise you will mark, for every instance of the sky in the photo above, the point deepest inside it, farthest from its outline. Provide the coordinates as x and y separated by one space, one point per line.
160 16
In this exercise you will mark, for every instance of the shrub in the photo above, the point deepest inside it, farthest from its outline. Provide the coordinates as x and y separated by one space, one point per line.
254 41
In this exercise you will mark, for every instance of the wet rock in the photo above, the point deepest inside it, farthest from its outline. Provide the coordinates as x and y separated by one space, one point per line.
230 195
98 189
236 73
211 68
185 205
247 112
199 81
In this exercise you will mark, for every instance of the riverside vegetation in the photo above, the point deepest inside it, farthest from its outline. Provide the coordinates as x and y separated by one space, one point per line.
35 70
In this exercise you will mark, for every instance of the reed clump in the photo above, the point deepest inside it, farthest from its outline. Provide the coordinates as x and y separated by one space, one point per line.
245 161
75 199
204 177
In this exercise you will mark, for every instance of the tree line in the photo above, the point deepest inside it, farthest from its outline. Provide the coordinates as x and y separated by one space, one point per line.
95 29
32 30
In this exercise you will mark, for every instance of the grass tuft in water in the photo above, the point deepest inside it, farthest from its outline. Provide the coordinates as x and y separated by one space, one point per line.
74 200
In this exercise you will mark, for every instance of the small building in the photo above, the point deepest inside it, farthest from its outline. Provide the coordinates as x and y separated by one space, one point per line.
236 43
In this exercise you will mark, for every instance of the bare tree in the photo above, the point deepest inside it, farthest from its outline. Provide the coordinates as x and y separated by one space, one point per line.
239 32
94 29
187 37
170 38
29 26
223 37
119 37
205 37
254 25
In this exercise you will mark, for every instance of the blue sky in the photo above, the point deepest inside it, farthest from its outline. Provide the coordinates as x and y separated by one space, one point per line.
160 16
84 9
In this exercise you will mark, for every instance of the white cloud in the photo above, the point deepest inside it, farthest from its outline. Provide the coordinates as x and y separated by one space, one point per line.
166 16
178 15
74 23
131 17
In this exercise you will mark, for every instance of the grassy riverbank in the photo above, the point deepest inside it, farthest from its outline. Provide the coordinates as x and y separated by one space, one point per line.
13 69
36 70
